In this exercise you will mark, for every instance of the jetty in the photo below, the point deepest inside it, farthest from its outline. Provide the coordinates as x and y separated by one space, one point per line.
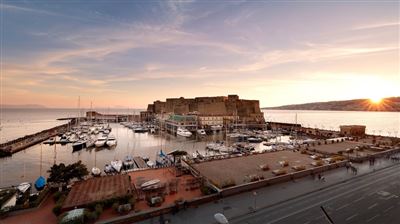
140 163
16 145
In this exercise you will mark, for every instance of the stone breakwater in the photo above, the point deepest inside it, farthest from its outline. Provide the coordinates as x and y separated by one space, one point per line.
16 145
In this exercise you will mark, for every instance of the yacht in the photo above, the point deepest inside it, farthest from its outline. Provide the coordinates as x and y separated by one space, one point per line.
116 165
183 132
201 132
111 141
101 141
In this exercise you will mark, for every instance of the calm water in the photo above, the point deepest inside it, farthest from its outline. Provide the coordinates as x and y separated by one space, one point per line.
25 165
20 122
384 123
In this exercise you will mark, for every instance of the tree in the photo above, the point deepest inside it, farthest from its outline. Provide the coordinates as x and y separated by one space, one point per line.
61 174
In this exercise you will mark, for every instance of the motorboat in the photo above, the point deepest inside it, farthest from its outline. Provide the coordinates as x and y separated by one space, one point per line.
129 162
201 132
101 141
108 169
50 141
111 141
24 187
40 183
140 129
254 140
150 183
150 163
96 171
116 165
183 132
216 127
79 145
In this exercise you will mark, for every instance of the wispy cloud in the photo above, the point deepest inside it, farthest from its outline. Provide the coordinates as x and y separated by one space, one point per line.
378 25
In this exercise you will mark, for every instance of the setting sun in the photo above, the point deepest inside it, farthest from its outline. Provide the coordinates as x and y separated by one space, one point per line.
376 100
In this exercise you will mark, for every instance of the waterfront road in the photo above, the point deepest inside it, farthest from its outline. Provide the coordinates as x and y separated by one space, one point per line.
372 198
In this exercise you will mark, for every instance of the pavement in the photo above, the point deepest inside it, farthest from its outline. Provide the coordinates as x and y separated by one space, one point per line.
371 196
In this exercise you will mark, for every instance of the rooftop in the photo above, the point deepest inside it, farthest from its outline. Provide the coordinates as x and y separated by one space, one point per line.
98 189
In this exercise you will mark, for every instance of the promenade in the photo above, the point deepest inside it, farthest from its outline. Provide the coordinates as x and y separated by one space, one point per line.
240 208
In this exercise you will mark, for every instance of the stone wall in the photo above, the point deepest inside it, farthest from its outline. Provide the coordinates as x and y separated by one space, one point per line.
231 105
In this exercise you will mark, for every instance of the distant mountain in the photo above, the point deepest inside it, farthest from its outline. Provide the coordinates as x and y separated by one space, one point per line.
20 106
387 104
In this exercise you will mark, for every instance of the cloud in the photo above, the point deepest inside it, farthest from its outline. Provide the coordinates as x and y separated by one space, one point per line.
378 25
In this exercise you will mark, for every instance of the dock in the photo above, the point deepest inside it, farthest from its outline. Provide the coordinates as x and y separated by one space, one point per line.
140 163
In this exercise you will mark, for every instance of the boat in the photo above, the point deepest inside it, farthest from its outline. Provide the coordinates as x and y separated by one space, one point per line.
216 127
116 165
140 129
50 141
106 131
150 183
23 187
108 169
150 163
40 183
201 132
111 141
79 145
183 132
101 141
90 143
96 171
254 140
128 162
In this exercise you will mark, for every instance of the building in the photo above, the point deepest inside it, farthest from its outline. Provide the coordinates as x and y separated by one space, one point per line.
208 121
352 130
229 108
98 189
95 116
185 121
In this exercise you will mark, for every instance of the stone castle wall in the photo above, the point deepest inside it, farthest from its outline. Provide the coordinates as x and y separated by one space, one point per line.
218 106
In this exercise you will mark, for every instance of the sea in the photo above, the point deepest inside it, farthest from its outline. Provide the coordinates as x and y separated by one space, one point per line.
29 164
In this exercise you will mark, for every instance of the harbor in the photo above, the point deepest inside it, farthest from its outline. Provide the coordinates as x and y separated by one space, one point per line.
162 163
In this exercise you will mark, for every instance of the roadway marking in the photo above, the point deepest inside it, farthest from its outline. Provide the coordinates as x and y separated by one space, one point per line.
386 210
333 197
351 217
372 218
359 199
372 206
343 206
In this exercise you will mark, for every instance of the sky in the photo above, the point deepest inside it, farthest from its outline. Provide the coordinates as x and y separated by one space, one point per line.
130 53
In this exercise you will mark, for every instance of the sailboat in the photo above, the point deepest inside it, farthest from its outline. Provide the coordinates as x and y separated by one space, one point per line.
95 170
40 183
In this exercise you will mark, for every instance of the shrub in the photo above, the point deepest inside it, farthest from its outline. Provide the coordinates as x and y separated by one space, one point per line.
57 195
99 209
115 206
57 209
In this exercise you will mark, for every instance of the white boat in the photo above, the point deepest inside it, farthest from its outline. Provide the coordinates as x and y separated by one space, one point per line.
111 141
23 187
116 165
108 168
150 163
183 132
216 127
201 132
101 141
149 183
96 171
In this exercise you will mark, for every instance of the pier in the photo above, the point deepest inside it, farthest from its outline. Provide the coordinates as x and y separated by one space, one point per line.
16 145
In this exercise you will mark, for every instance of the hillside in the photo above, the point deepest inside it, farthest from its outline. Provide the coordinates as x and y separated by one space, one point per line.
387 104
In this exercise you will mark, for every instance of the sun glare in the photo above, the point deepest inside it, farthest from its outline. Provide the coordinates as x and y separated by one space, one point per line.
376 100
